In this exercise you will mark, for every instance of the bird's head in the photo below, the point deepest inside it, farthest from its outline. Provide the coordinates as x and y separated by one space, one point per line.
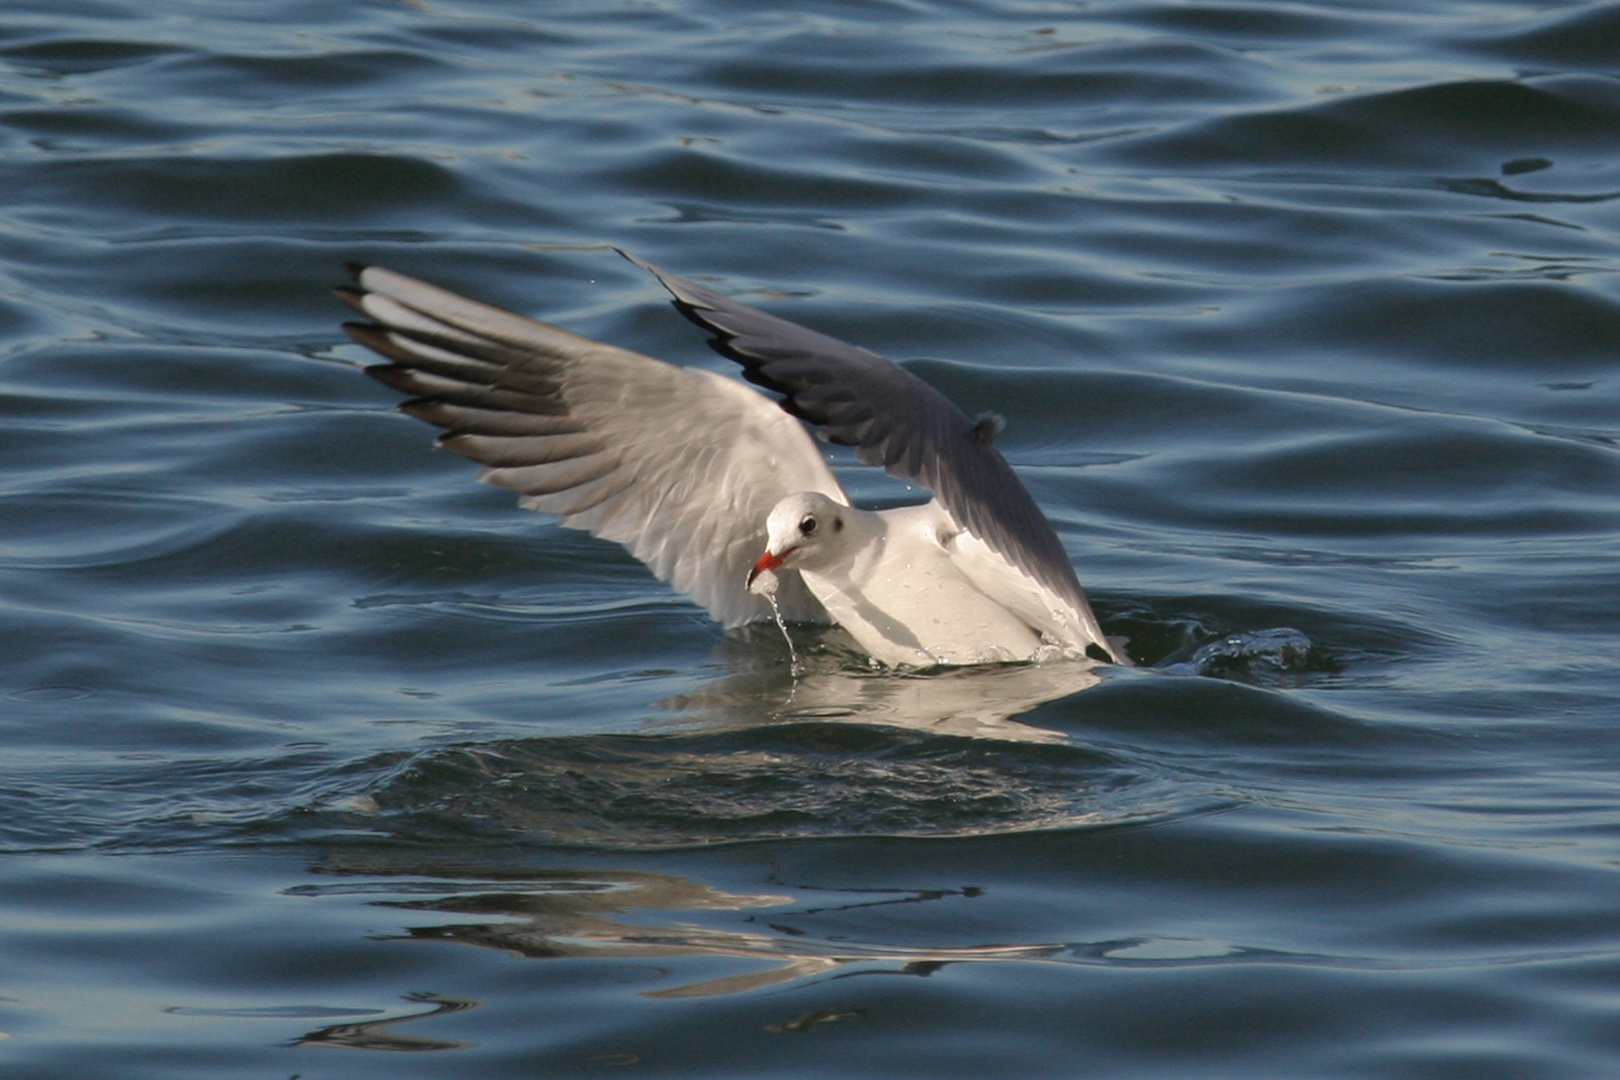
801 531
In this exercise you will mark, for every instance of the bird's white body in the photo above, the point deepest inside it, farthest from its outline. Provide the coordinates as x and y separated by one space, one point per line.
905 600
911 586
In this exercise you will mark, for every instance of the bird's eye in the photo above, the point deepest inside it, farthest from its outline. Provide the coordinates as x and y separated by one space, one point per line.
808 525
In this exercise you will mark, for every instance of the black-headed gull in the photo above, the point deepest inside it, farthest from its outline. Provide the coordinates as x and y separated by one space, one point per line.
720 490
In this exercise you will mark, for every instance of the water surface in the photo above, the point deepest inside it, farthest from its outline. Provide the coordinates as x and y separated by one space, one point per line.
321 759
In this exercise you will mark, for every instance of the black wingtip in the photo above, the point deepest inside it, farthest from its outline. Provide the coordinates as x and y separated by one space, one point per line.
687 297
370 335
355 269
643 263
352 297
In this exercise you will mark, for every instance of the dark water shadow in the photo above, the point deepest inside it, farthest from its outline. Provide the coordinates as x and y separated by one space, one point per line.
766 754
834 749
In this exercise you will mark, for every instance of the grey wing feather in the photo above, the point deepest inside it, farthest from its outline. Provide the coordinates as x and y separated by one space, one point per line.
857 398
679 465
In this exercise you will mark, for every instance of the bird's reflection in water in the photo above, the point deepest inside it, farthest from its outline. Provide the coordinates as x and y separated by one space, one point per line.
379 1034
833 686
657 918
763 752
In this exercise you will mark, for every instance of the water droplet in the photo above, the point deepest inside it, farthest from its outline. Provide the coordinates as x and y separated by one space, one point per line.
796 668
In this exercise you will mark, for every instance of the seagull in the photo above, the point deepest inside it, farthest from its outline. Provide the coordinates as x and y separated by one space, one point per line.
719 488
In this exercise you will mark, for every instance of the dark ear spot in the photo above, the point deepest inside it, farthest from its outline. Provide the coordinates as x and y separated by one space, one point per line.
987 425
838 524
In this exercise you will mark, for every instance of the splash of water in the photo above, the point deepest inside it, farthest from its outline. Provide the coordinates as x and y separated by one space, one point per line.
1279 649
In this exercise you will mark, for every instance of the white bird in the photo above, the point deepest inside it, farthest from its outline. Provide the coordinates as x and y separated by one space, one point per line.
697 474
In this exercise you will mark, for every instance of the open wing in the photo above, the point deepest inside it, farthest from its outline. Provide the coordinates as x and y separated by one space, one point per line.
679 465
857 398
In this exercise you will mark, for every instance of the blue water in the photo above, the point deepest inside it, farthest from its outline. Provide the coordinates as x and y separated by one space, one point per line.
321 760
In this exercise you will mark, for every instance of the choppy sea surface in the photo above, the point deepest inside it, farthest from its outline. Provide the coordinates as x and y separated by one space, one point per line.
318 759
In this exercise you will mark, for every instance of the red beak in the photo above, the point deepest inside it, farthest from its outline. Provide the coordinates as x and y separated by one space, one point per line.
766 562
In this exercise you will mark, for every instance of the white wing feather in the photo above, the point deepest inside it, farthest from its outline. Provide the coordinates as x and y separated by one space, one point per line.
679 465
